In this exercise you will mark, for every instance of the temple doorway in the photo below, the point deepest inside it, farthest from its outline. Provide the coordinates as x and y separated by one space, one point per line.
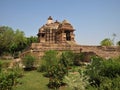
68 37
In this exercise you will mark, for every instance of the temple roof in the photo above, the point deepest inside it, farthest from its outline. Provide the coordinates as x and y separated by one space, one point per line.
50 18
64 25
65 21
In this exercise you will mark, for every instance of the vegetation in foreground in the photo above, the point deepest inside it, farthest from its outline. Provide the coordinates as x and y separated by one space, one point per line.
32 80
9 77
100 74
63 73
103 74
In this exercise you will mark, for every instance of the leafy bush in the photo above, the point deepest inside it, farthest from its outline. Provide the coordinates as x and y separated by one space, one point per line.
79 58
110 68
69 57
50 57
110 84
66 59
107 84
76 81
42 68
0 66
29 61
9 78
93 71
104 74
58 71
17 71
56 74
55 65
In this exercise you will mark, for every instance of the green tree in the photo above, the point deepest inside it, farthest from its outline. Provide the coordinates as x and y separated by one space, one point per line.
11 41
104 74
29 62
32 39
106 42
6 38
0 66
19 41
50 58
67 58
56 66
118 43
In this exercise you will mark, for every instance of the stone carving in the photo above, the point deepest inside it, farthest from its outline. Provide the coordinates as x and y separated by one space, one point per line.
56 32
60 36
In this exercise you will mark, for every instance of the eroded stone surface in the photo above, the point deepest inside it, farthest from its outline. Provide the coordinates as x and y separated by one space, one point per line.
60 36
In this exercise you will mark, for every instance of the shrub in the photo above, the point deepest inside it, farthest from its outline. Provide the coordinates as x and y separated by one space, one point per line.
50 58
76 81
93 71
17 71
58 71
8 79
0 66
111 68
66 59
69 57
29 61
79 58
104 74
107 84
42 68
56 66
56 74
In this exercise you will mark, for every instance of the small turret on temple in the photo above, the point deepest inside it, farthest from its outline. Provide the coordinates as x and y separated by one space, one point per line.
56 32
59 36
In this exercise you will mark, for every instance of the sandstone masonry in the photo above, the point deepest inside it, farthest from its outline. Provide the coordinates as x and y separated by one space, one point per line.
60 36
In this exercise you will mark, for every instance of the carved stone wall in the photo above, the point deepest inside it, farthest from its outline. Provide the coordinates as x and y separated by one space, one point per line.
38 49
55 32
60 36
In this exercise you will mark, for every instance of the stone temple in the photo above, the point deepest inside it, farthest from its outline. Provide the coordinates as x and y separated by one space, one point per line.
55 35
56 32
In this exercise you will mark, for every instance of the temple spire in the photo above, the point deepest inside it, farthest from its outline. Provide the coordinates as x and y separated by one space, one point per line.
50 20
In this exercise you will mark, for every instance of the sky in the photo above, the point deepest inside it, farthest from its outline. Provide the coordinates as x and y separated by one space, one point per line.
93 20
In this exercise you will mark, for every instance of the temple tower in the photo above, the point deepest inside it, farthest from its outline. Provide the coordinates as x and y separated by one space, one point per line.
65 32
56 32
50 20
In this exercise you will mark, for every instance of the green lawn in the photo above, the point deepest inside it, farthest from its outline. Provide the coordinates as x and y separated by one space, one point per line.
33 80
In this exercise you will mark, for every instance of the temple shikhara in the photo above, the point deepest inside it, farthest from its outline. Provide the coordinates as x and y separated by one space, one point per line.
56 32
55 35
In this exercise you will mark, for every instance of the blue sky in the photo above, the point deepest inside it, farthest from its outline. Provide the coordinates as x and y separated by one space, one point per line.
93 20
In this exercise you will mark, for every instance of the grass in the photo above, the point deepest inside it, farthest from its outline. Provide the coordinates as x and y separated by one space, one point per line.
33 80
5 63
